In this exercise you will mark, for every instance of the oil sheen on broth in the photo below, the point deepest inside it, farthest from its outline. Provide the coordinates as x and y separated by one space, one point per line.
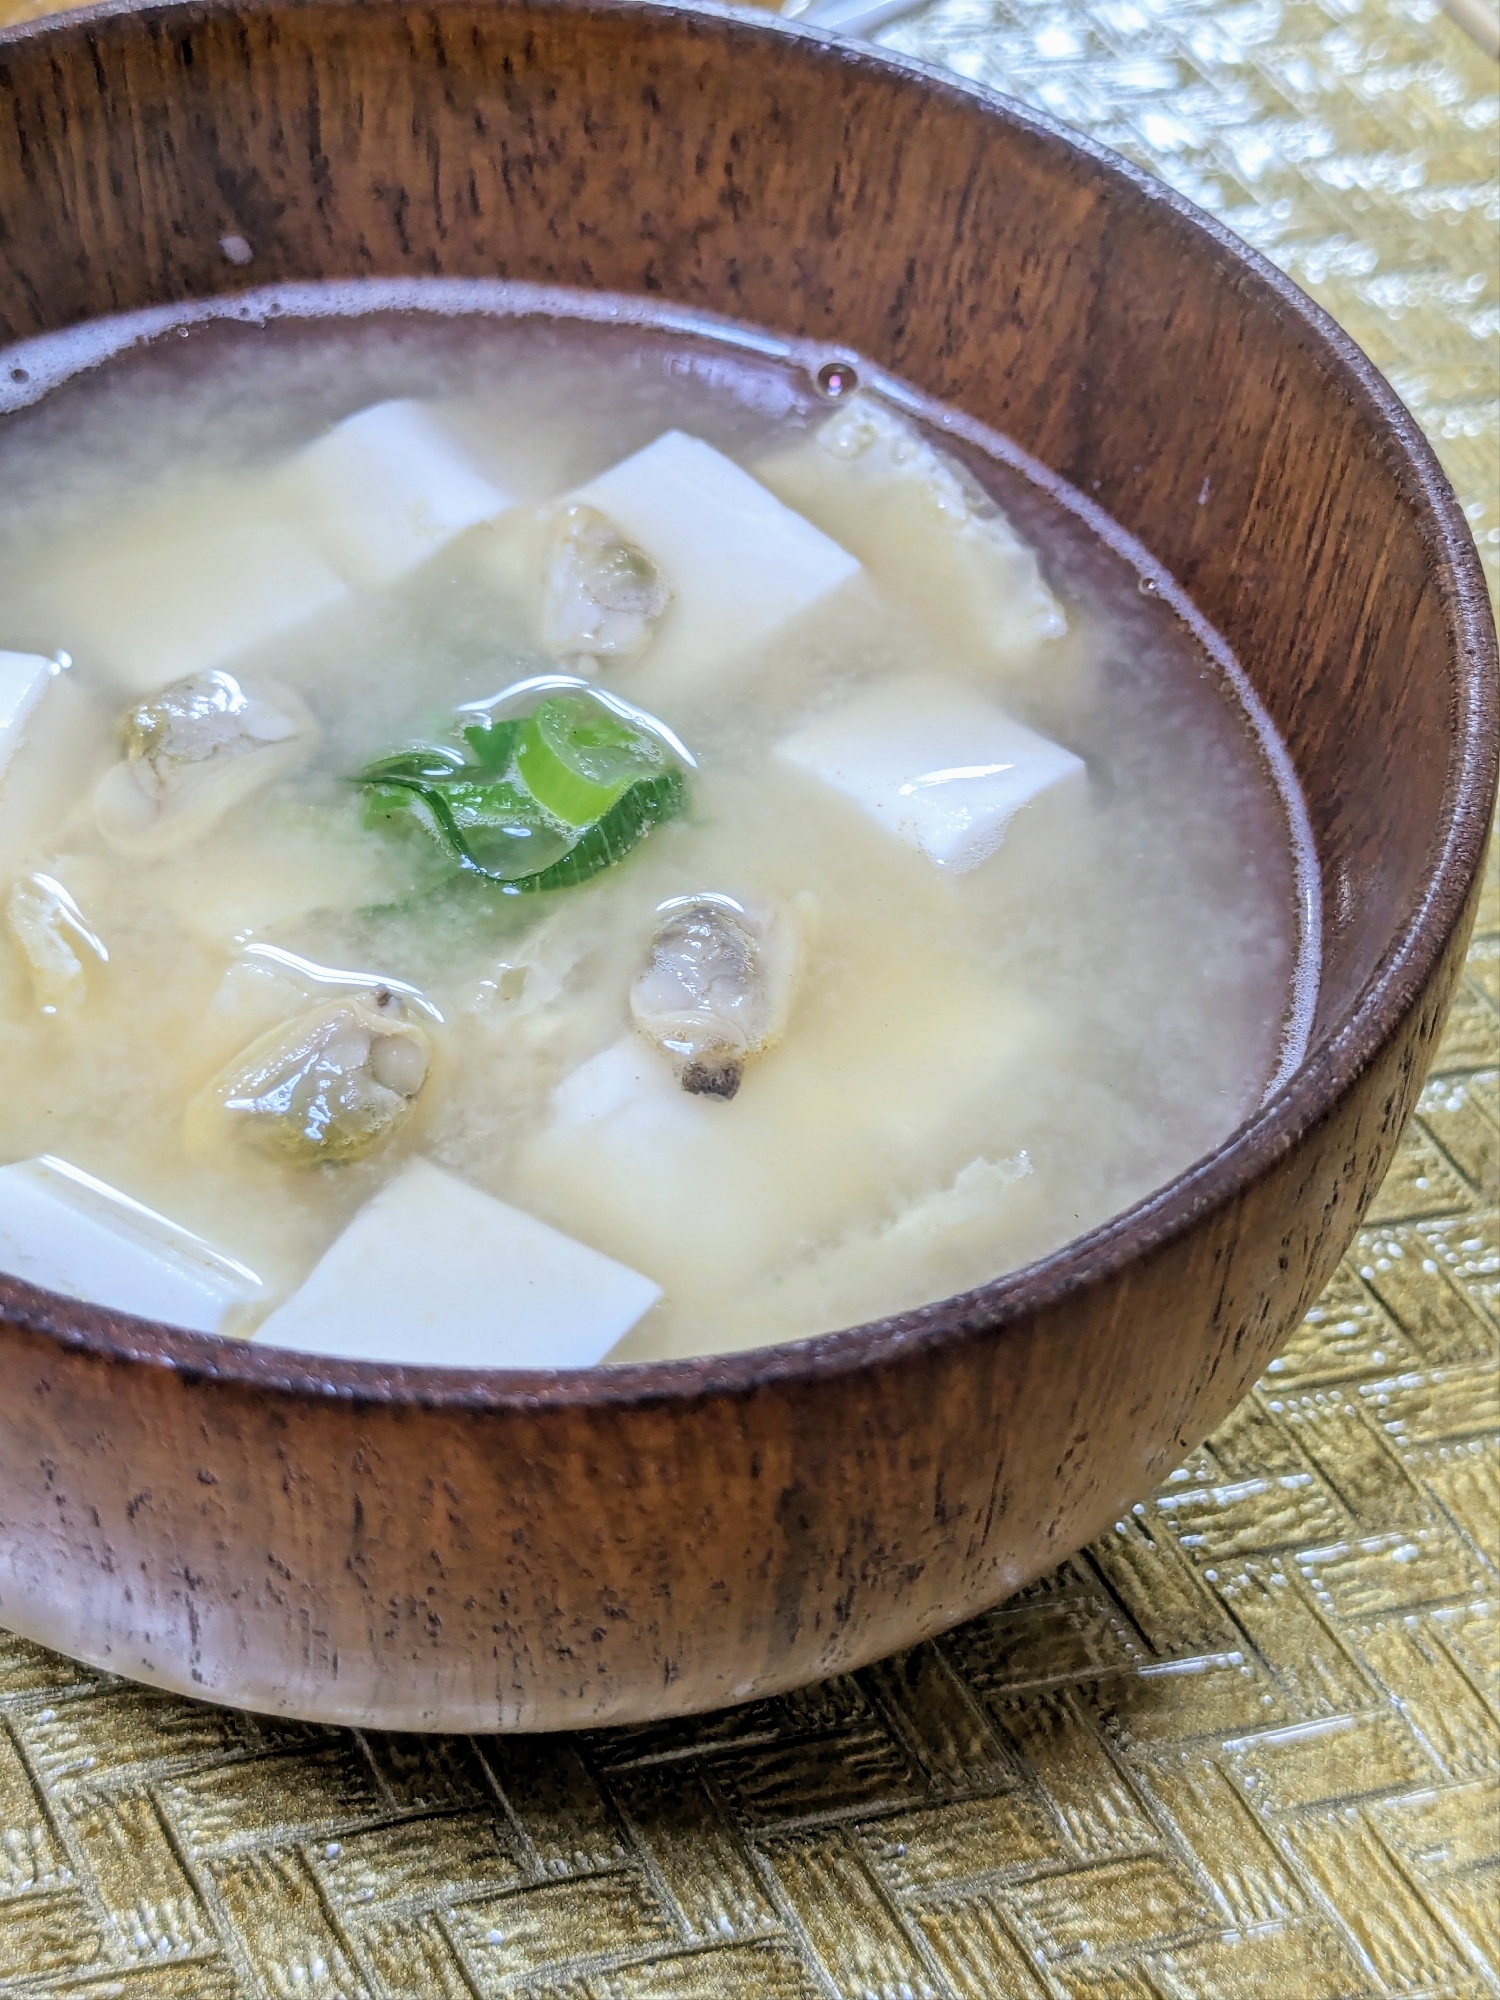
530 834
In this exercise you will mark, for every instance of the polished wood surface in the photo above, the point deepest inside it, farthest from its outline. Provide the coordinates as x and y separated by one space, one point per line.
473 1551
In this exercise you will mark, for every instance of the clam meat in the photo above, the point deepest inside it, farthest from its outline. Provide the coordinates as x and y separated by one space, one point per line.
55 942
602 596
193 751
717 989
329 1086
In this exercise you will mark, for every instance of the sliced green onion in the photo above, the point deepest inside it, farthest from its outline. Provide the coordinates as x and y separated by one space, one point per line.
502 831
432 761
493 744
628 820
395 801
544 804
576 759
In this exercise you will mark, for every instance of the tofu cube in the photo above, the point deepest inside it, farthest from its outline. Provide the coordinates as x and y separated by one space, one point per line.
890 1083
61 1228
387 488
59 751
435 1272
925 531
936 764
189 584
991 1217
739 564
274 871
181 589
23 681
667 1173
629 1072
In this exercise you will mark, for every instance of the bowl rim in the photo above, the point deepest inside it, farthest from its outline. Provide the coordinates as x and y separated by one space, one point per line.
1329 1068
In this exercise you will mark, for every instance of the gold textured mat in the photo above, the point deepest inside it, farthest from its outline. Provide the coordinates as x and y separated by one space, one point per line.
1245 1748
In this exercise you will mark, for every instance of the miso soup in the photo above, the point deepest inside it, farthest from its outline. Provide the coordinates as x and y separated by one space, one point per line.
535 832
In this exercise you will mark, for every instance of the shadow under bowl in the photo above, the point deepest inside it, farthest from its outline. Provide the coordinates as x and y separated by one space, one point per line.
422 1549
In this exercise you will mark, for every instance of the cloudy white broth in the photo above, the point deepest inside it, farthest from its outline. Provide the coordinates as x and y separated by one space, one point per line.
532 834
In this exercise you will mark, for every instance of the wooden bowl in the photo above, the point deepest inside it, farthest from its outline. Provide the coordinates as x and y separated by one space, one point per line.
423 1549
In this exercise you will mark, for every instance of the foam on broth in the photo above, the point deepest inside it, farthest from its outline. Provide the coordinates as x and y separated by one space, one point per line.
977 1066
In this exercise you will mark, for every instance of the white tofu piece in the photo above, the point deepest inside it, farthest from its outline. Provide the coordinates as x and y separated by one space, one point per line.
938 765
183 589
61 1228
895 1078
189 584
387 488
925 530
664 1169
628 1072
64 747
23 682
238 885
435 1272
947 1240
600 1085
739 564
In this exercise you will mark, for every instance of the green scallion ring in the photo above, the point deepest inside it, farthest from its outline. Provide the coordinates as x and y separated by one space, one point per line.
577 760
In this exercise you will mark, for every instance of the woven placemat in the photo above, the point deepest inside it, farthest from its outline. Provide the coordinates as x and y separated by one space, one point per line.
1246 1747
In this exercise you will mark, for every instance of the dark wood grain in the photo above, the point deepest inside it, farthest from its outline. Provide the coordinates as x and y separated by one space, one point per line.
463 1550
